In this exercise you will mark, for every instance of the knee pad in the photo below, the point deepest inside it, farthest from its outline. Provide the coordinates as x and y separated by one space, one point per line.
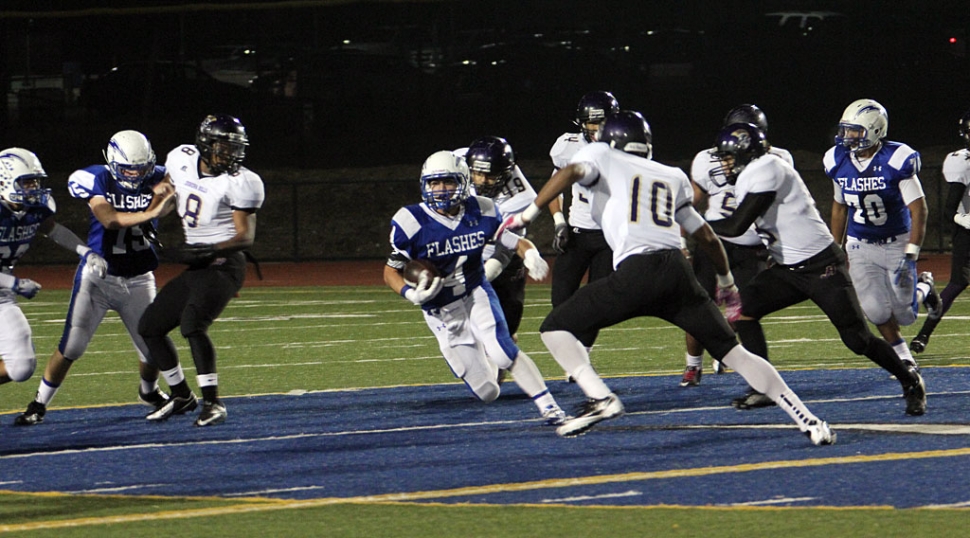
20 370
192 324
487 392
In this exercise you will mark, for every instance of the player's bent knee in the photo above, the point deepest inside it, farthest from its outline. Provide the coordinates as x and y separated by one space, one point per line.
20 370
487 392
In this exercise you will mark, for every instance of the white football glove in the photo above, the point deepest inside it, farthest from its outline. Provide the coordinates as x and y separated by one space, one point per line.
26 287
963 219
493 268
94 263
538 268
519 220
425 290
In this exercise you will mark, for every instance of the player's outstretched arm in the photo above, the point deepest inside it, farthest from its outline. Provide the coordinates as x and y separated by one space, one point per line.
753 206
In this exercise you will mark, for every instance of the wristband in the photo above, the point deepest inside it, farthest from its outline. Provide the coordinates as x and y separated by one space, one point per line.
912 250
558 218
683 243
82 250
405 290
725 281
530 213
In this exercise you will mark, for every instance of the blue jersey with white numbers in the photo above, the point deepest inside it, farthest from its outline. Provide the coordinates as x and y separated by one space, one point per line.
126 250
453 244
17 230
876 209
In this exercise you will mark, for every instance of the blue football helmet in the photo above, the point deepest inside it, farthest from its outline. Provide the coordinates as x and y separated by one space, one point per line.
20 180
491 162
869 118
738 144
222 142
448 167
131 160
594 107
747 114
627 131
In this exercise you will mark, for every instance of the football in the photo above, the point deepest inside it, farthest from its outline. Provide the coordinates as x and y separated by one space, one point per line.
414 268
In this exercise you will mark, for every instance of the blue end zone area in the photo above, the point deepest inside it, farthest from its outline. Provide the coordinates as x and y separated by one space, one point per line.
434 443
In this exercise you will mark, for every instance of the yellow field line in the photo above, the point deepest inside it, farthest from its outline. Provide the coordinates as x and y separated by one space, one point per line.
482 490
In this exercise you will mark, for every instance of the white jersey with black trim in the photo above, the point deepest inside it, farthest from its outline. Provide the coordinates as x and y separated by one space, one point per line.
722 202
579 214
791 228
634 199
205 204
956 169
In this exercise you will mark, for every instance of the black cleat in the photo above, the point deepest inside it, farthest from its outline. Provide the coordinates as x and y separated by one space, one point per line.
212 413
919 343
32 416
752 400
932 302
155 399
915 395
176 405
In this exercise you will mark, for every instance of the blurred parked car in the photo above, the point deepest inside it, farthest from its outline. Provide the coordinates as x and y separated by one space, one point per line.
163 89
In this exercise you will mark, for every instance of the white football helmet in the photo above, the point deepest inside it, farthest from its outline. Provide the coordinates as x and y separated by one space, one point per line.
130 159
866 116
444 165
20 179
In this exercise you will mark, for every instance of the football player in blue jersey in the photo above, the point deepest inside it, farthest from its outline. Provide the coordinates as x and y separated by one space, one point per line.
450 229
880 210
27 208
124 195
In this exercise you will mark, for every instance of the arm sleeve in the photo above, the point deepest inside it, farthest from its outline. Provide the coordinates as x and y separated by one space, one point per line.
689 219
953 198
753 206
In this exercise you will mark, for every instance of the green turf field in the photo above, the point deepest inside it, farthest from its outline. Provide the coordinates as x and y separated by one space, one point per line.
292 339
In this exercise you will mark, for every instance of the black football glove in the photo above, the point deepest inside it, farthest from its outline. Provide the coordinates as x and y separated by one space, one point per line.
150 233
193 253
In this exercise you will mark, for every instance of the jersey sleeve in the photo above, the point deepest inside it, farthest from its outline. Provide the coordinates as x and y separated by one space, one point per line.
563 149
247 193
956 167
829 161
906 160
403 228
84 185
700 169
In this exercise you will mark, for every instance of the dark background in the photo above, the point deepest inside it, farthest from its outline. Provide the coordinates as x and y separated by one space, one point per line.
387 83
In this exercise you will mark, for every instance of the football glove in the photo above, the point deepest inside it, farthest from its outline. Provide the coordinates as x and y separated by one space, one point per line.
561 238
26 287
195 253
94 263
905 273
425 291
963 219
730 299
538 268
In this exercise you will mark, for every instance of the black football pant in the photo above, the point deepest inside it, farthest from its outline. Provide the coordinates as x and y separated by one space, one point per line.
191 301
587 250
509 286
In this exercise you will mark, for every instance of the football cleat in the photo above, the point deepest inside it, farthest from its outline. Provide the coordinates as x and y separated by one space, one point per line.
155 399
554 415
915 395
919 343
718 367
934 307
591 412
752 400
820 433
176 405
33 415
692 376
212 413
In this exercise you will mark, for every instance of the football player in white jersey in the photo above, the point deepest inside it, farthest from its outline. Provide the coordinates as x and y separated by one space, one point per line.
880 210
808 263
124 196
641 206
956 171
747 255
450 229
217 200
579 243
27 208
494 174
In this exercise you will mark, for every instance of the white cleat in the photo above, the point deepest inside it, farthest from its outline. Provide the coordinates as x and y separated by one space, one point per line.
590 413
820 433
